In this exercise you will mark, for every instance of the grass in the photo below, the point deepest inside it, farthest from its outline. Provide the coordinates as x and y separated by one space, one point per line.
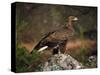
26 62
81 54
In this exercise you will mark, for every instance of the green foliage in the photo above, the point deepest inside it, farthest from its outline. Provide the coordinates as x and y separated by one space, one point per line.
33 22
26 61
21 24
55 12
81 55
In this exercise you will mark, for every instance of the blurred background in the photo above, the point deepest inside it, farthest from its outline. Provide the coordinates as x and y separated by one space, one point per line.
34 20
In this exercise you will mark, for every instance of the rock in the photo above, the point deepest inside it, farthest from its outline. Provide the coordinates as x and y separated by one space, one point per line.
92 61
60 62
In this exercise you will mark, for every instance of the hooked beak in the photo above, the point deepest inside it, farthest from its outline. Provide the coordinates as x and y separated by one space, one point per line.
75 19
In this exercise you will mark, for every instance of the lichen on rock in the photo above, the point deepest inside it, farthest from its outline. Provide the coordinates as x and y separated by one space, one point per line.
61 62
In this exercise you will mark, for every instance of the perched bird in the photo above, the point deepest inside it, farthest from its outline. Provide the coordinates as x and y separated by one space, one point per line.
57 39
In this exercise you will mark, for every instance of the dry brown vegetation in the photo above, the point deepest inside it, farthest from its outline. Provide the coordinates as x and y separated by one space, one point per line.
35 20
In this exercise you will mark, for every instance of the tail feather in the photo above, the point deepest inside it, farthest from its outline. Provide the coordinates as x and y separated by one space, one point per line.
43 48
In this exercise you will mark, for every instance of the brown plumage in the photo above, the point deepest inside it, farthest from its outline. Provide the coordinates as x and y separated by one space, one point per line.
58 37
